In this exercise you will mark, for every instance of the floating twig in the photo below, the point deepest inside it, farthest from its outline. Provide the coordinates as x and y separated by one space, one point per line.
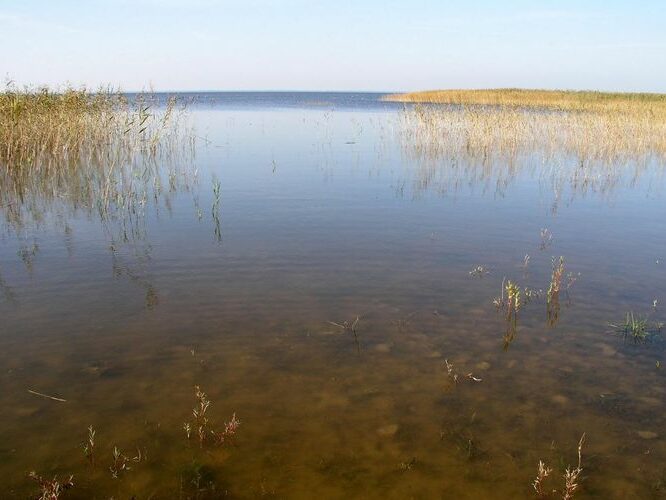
47 396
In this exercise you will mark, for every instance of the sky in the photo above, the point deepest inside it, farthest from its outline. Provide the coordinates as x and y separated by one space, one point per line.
373 45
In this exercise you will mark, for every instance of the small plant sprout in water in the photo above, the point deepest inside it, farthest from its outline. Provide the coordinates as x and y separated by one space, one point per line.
51 489
636 329
556 286
199 413
542 473
348 326
453 374
513 299
121 462
546 238
450 371
510 299
201 423
571 477
351 328
479 271
556 279
229 431
89 446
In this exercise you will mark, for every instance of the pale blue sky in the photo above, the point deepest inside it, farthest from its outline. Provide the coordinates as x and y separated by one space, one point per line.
335 44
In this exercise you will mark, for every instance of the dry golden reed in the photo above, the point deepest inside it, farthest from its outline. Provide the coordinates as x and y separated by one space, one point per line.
584 129
572 142
102 152
562 100
42 128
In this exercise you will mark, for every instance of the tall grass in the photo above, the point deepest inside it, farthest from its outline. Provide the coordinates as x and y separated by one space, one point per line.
100 151
590 142
561 100
42 128
483 134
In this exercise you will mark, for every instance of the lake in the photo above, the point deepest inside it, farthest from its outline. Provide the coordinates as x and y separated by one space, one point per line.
332 286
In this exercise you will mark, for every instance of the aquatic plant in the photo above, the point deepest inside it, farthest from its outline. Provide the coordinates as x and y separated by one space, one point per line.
229 432
349 326
102 153
121 462
510 299
636 328
453 374
556 278
546 238
89 446
571 476
556 100
450 371
199 413
51 489
530 294
576 150
45 129
479 271
542 474
201 423
553 294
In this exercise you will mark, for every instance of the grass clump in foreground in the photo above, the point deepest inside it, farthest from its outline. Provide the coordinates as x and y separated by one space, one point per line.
45 128
636 329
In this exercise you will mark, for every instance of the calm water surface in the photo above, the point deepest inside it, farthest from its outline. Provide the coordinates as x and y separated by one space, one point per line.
325 215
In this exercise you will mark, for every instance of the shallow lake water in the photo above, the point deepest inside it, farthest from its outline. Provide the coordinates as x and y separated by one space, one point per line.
298 214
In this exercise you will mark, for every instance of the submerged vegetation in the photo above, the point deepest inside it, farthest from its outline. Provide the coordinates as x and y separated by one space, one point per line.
51 489
121 463
119 183
638 329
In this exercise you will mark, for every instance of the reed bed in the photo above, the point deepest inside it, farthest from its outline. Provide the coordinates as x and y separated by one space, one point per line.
42 128
101 152
461 140
486 133
560 100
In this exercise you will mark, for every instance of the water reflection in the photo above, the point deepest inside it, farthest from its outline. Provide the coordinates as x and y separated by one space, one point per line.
120 197
570 154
